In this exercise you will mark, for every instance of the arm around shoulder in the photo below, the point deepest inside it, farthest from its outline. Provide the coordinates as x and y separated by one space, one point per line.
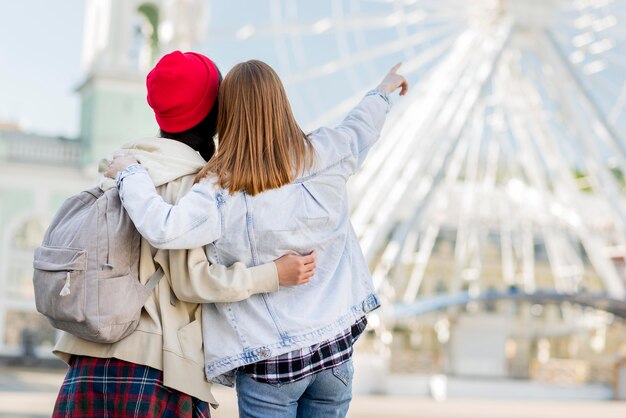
194 279
194 221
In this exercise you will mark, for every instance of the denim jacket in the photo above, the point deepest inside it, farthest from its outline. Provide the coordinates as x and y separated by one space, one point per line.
310 213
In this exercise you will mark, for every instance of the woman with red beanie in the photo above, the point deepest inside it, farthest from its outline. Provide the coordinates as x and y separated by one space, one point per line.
157 371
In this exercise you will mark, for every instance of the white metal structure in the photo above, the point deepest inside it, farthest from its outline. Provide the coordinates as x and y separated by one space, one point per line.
512 135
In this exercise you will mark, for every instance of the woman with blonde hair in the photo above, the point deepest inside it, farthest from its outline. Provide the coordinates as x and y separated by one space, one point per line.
268 190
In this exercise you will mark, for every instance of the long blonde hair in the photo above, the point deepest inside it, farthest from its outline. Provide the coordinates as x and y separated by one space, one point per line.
260 146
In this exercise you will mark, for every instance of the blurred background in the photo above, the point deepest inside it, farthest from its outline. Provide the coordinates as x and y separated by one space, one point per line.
492 211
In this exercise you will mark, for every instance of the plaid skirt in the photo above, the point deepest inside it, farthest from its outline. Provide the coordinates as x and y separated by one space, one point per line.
108 387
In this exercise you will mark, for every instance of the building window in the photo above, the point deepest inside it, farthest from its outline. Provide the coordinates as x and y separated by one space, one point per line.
145 49
19 280
25 330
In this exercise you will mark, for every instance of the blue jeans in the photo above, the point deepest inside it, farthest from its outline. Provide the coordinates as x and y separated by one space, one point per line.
322 395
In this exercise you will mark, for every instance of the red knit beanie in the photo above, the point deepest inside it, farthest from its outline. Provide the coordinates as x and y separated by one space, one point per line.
182 88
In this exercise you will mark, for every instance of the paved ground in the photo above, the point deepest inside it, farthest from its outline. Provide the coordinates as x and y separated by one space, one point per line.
30 393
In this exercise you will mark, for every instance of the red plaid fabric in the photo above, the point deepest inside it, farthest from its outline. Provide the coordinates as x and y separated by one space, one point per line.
95 387
298 364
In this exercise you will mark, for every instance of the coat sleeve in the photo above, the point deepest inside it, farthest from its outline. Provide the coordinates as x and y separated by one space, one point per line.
194 279
193 222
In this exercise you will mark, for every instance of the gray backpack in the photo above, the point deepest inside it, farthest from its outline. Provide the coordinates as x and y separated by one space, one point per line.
86 272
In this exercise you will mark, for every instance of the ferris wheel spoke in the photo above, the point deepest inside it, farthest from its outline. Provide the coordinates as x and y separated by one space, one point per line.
517 229
419 62
565 263
279 42
468 93
400 145
602 85
571 208
606 186
600 127
468 205
615 60
567 266
376 53
530 130
532 168
420 262
410 228
618 108
343 48
432 228
314 28
441 100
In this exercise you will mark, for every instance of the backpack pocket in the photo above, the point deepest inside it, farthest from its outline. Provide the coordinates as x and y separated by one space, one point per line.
59 281
120 300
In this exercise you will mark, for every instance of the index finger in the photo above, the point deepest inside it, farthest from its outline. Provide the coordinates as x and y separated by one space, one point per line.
395 68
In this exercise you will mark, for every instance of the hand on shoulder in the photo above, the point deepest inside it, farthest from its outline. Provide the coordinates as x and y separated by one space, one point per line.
119 163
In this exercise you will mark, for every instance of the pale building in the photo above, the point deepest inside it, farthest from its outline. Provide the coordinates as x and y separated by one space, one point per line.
122 39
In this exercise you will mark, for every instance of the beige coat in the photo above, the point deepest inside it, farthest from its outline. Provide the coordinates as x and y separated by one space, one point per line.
169 335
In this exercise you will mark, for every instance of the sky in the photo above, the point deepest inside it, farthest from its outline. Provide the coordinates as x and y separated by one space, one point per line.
40 56
41 41
40 60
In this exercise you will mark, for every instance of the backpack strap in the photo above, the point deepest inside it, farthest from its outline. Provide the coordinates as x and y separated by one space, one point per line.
173 297
155 279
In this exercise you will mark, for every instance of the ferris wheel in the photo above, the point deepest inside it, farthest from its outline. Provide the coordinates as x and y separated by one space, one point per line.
511 145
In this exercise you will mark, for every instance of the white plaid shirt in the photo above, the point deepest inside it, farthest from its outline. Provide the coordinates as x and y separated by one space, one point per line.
298 364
